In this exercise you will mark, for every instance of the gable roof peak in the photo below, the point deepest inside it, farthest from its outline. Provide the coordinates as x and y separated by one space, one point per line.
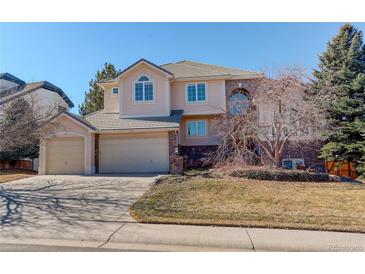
142 60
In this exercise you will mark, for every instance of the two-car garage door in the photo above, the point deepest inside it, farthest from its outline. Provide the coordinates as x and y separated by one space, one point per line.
134 153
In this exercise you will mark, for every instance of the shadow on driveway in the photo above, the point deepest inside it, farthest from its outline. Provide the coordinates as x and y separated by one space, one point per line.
54 204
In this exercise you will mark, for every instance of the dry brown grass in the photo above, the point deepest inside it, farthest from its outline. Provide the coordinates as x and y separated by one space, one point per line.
11 175
240 202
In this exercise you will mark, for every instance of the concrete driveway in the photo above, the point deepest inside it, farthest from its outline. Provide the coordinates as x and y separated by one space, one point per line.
88 208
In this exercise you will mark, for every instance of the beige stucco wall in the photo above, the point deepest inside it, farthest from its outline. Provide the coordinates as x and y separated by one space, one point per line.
266 110
5 84
46 101
212 137
215 98
161 104
65 127
111 101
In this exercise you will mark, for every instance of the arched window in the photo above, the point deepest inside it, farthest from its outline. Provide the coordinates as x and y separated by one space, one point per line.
143 89
239 102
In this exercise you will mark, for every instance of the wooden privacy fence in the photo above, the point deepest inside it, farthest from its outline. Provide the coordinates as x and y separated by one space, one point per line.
341 168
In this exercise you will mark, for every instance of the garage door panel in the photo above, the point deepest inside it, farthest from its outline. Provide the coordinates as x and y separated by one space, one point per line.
65 156
143 153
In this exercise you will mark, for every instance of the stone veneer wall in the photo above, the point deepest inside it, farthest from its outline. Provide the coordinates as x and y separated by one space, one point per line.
197 156
176 162
249 85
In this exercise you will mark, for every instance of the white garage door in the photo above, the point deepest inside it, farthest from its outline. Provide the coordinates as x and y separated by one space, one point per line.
134 153
65 156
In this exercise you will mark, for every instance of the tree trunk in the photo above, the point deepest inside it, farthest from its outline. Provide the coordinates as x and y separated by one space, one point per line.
277 162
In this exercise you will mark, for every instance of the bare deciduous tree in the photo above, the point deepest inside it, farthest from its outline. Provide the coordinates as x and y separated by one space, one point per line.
237 133
22 125
280 111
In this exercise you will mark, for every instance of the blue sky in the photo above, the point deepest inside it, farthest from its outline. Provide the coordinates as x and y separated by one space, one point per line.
68 54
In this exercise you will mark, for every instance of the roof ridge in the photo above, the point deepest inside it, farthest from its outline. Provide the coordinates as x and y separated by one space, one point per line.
36 82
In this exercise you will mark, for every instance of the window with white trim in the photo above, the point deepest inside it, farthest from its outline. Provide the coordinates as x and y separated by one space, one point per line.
197 128
196 92
115 90
143 89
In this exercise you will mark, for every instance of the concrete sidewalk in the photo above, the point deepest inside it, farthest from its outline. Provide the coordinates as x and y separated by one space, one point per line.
152 237
235 238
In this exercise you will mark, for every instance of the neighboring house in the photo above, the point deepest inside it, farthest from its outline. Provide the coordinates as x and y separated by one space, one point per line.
45 97
154 117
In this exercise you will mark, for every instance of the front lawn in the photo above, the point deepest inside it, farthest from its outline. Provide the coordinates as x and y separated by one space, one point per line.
11 175
241 202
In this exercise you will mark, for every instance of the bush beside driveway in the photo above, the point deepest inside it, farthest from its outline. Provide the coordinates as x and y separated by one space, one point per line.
229 201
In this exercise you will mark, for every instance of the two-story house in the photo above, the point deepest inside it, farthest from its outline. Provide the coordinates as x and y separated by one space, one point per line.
45 97
153 117
43 94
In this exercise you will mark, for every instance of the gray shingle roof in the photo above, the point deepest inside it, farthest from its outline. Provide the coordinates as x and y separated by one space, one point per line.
111 121
20 90
189 69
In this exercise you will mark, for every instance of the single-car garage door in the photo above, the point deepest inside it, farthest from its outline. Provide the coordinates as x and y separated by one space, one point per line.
65 156
134 153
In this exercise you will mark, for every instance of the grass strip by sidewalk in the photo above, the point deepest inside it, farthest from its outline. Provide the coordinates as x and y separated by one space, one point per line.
240 202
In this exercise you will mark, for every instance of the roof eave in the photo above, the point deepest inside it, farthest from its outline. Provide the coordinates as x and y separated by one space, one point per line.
137 130
248 76
219 77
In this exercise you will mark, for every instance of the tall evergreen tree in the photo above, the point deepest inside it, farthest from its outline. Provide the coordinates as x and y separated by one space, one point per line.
94 98
341 76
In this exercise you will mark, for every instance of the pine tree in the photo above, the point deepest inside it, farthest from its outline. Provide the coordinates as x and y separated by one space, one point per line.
341 75
94 98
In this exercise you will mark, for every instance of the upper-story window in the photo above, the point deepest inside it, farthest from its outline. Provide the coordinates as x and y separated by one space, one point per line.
196 92
239 102
115 90
143 89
